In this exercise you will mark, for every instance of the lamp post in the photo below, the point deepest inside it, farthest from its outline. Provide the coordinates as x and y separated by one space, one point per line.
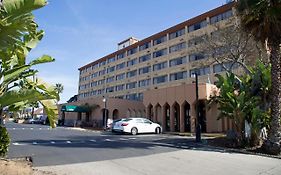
104 100
198 126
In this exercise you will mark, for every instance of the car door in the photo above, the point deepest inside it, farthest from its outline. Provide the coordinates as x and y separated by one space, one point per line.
140 126
148 127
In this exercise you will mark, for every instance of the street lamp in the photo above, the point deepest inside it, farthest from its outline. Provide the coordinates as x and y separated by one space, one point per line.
104 100
198 126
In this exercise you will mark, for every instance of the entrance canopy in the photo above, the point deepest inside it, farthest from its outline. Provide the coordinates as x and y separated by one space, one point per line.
73 108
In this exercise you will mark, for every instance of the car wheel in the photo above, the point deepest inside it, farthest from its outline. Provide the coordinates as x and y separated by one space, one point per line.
158 130
134 131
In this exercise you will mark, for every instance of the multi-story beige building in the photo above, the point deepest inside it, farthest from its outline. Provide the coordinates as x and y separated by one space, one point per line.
153 77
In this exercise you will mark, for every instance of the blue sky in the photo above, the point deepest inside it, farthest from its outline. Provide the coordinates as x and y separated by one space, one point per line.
79 32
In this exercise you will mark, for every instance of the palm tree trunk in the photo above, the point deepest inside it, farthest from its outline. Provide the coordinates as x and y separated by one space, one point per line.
272 145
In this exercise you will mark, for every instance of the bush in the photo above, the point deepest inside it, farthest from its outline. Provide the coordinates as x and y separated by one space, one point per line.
4 141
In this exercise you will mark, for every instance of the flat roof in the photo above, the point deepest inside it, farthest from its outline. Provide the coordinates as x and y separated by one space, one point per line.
179 26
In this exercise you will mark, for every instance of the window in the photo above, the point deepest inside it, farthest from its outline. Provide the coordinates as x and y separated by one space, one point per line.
100 82
145 46
94 83
120 87
120 76
132 51
159 66
200 71
101 91
196 56
109 89
132 73
141 96
221 17
197 40
144 58
177 47
95 66
120 66
110 79
94 92
102 72
144 70
120 97
111 69
131 85
132 97
220 51
228 65
95 74
160 40
121 55
160 53
144 83
178 61
111 60
177 34
160 79
197 26
102 63
178 76
132 62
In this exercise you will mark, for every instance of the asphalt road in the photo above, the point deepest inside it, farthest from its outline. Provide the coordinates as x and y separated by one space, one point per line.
62 145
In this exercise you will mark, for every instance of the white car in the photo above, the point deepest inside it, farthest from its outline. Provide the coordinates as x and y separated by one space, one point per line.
136 126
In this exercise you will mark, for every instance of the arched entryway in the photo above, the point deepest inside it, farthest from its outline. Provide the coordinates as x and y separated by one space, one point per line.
187 118
158 113
176 111
115 114
166 117
129 113
150 112
202 115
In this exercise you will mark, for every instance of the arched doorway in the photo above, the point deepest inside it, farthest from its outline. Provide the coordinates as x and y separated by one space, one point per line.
176 110
115 114
167 115
150 112
202 115
187 121
158 113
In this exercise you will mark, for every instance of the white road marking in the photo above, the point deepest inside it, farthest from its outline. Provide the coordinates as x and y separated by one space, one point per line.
18 144
132 138
31 128
52 142
68 141
123 139
34 143
109 140
40 128
14 128
93 141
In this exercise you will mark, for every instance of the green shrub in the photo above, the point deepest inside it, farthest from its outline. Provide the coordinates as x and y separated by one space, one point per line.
4 141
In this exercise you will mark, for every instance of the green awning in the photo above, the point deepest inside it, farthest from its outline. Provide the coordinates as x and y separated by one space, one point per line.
73 108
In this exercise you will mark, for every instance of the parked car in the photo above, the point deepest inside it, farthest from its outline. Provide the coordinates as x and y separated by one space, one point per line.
136 126
33 121
44 120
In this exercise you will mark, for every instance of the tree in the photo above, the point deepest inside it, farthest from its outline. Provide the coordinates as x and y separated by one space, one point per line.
230 46
59 88
262 18
244 98
19 34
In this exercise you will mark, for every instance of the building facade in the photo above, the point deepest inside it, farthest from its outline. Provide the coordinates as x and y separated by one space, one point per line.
139 70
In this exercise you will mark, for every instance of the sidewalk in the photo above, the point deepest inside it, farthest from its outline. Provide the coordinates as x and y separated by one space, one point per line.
181 162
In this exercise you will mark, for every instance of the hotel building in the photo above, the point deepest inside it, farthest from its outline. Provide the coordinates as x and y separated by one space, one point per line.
153 78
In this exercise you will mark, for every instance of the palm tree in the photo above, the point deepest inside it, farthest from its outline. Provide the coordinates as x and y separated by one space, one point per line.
262 18
19 34
59 88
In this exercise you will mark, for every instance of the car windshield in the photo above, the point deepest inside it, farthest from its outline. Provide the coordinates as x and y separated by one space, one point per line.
126 120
